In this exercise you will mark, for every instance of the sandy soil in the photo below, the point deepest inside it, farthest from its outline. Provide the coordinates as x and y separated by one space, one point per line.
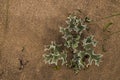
27 25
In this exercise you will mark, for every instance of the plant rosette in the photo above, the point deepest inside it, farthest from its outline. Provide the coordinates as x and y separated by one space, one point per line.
73 40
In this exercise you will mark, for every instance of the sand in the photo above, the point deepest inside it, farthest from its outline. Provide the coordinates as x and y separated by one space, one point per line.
27 25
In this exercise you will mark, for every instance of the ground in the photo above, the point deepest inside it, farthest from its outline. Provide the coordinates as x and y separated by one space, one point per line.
27 25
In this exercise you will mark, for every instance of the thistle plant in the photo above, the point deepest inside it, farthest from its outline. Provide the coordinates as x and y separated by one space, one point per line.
55 54
81 48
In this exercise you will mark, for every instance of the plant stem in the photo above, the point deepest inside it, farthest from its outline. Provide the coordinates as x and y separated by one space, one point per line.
112 15
7 12
107 26
114 33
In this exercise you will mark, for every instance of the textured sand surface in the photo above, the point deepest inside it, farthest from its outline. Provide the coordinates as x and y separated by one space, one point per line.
34 23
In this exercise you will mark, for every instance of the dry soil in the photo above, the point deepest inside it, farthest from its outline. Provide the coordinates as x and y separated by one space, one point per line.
27 25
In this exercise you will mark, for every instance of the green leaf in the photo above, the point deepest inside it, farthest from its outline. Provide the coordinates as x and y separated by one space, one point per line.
55 54
89 42
87 19
77 62
75 44
94 57
63 57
